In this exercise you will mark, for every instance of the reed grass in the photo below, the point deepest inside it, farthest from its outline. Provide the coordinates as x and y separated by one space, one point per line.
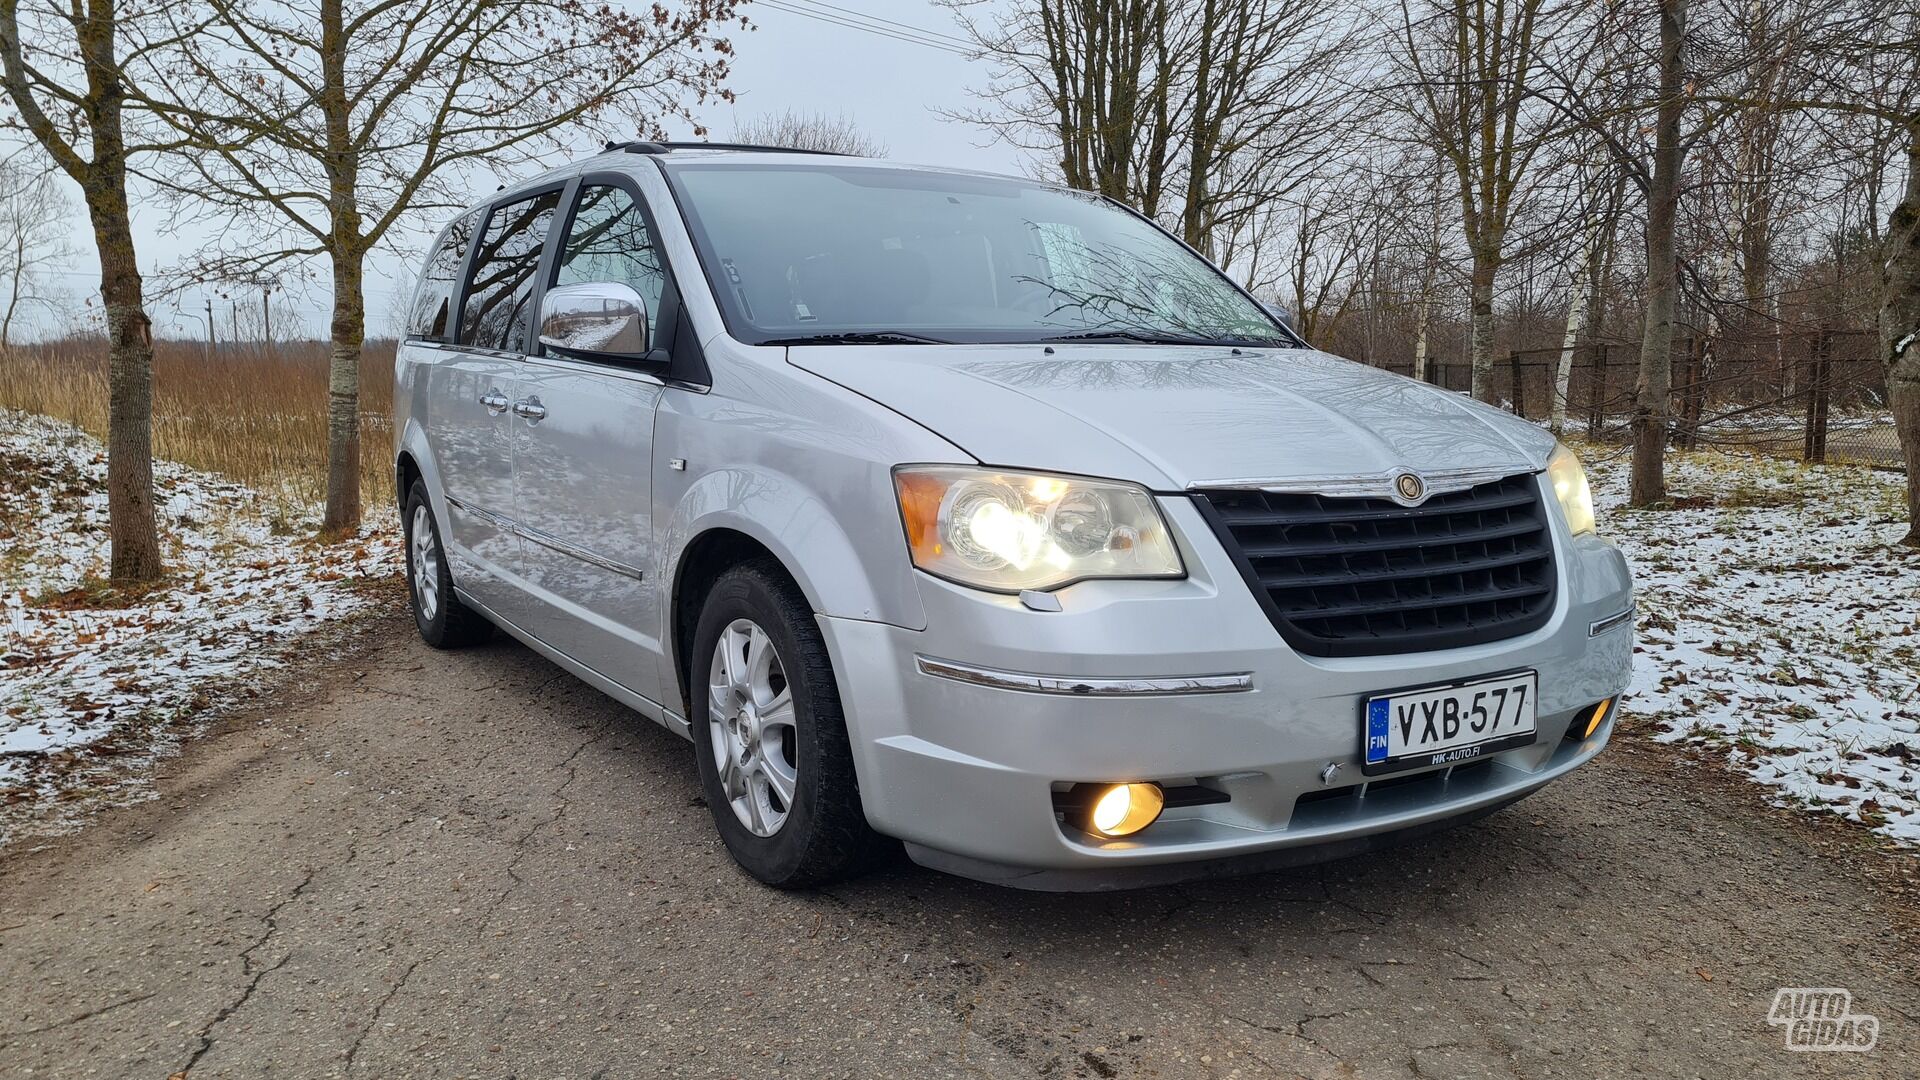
254 414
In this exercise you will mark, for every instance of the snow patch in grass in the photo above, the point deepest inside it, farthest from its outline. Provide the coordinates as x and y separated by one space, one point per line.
94 680
1780 621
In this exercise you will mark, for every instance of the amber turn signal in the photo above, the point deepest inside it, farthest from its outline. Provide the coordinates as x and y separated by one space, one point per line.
1599 714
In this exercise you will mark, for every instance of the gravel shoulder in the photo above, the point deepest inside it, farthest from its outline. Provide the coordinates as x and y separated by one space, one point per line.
417 864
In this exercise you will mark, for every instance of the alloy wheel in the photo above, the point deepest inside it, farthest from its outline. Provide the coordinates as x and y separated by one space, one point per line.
750 723
426 563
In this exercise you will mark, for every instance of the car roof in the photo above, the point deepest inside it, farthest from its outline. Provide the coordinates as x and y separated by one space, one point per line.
631 156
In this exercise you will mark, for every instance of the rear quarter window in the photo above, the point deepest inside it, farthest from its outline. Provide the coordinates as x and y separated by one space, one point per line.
431 317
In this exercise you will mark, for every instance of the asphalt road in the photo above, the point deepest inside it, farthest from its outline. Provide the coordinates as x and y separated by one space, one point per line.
419 864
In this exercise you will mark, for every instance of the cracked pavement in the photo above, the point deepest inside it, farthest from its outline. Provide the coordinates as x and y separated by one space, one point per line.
409 863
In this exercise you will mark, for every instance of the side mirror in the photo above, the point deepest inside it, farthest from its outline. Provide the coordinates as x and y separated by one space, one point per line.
595 320
1280 315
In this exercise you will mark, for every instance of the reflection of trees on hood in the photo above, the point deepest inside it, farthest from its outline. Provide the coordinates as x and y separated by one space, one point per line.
1257 391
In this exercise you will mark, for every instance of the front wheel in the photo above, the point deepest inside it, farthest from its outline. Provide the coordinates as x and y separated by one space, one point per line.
770 737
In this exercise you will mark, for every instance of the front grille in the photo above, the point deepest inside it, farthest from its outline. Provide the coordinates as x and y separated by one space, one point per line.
1366 577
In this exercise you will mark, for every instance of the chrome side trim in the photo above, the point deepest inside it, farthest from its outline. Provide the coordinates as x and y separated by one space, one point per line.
1382 485
1031 683
498 521
1611 621
550 541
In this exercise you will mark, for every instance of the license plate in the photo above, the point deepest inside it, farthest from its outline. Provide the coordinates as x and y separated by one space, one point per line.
1440 725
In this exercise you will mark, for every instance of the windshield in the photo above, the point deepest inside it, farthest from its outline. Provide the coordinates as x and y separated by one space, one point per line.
812 252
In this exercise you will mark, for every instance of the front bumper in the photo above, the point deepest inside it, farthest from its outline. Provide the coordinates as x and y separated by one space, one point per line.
965 772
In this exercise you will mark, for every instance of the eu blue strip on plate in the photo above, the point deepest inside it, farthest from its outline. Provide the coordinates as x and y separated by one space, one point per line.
1377 729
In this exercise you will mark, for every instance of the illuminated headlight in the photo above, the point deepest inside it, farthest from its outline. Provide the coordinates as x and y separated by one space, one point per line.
1569 482
1014 531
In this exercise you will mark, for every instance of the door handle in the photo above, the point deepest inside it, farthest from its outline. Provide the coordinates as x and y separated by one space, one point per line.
495 401
530 410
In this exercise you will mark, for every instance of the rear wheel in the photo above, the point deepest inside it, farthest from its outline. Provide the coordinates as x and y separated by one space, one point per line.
770 737
444 622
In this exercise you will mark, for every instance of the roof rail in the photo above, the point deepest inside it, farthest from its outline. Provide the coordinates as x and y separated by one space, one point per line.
647 147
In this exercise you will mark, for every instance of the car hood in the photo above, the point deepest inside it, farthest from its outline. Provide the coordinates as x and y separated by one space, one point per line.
1173 416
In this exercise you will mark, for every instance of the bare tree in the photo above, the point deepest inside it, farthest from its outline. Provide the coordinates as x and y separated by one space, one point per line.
1587 277
810 131
1857 62
330 123
1651 397
33 238
1192 111
1089 82
1471 68
1253 97
65 71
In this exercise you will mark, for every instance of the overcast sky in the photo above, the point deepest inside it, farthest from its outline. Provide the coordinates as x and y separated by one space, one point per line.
891 89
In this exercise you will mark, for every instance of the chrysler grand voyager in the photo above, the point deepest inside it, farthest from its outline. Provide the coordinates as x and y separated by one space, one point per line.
982 515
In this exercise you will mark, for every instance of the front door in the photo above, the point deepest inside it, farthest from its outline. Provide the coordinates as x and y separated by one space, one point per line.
583 462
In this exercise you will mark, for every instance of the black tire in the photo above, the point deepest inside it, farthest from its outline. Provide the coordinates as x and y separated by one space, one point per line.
824 836
445 623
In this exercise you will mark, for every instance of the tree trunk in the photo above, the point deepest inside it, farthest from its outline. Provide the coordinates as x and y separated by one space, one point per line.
1420 337
1652 389
1481 346
349 303
343 399
15 282
1576 318
1900 327
130 518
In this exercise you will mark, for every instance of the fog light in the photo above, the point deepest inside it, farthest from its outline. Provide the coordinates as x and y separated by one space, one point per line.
1125 809
1599 714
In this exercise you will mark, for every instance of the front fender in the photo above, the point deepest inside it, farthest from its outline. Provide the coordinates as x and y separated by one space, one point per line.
865 578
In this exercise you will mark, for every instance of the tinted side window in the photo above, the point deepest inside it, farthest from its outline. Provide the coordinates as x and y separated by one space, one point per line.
497 314
608 241
431 316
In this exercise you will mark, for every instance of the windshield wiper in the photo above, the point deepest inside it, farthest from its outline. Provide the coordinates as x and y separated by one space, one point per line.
1145 336
873 337
1151 338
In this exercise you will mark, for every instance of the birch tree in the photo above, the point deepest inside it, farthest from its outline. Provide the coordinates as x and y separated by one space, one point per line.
329 124
1586 281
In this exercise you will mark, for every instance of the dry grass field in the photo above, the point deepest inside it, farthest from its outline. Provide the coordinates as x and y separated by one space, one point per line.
254 415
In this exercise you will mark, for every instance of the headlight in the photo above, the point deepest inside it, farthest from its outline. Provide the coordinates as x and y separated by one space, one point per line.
1013 531
1570 487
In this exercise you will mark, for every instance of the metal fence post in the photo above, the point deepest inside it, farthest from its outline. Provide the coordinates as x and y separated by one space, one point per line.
1519 385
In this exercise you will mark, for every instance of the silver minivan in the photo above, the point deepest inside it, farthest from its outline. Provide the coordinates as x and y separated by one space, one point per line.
982 515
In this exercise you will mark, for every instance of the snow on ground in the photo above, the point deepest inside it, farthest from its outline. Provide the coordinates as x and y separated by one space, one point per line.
1777 620
1780 622
94 684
